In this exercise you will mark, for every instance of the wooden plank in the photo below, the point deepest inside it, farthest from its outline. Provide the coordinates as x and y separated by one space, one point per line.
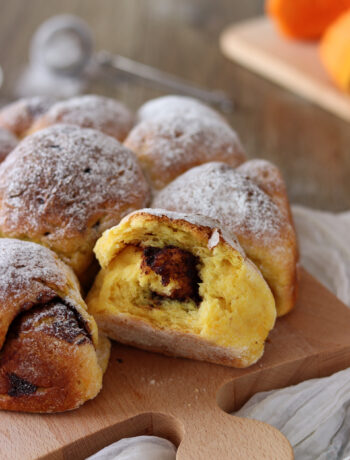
296 65
185 401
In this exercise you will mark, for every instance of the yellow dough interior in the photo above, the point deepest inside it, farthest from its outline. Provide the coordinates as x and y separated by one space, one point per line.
226 300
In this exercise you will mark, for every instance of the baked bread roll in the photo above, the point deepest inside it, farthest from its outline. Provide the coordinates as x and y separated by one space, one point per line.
169 142
7 143
269 178
260 219
89 111
178 285
63 186
176 106
52 358
19 116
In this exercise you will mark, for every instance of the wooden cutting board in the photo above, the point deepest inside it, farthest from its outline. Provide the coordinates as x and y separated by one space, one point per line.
296 65
186 401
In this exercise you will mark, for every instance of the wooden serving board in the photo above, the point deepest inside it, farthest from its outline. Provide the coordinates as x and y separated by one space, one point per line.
296 65
186 401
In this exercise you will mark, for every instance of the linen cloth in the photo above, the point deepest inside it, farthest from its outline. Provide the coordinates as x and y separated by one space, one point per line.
138 448
314 415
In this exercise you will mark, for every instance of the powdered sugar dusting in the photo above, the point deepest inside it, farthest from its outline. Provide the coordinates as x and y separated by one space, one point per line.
175 105
7 143
218 191
91 111
61 180
170 144
19 116
269 178
264 174
23 265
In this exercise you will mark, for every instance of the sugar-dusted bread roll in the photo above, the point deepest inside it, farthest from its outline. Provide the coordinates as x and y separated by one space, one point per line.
7 143
251 203
19 116
178 285
89 111
169 139
52 358
63 186
269 178
175 105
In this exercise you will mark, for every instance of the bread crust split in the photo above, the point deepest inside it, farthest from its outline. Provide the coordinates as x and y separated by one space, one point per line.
230 322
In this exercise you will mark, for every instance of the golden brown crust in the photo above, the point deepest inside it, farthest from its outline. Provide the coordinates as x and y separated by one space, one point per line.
64 186
48 341
205 229
19 116
269 178
48 362
176 106
32 275
170 141
89 111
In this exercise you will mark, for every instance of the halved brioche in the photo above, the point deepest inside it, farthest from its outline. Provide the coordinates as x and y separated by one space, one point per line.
177 284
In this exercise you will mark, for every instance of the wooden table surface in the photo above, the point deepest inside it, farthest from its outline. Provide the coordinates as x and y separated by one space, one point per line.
311 146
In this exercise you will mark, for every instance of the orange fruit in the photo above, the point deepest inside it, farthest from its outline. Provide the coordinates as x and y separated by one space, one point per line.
335 51
305 19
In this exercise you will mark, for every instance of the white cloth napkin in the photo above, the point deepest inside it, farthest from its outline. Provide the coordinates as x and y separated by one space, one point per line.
324 240
314 415
138 448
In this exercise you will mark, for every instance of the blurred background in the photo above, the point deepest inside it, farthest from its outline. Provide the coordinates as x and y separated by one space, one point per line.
310 145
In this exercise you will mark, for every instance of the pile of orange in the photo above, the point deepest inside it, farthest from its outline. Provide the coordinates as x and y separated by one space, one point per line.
325 20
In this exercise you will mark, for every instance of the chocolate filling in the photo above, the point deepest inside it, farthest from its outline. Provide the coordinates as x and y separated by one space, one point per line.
174 264
19 386
52 317
57 319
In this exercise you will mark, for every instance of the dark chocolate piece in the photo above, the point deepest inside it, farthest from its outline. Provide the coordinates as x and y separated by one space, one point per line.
20 387
175 264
